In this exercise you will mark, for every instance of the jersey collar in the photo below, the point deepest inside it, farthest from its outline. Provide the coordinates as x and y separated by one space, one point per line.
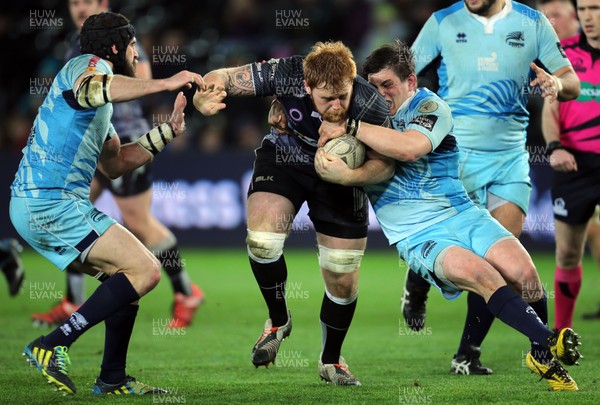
488 23
407 101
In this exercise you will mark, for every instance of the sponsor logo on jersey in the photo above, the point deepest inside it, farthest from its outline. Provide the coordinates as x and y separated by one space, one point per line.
93 62
589 92
425 121
488 63
461 38
516 39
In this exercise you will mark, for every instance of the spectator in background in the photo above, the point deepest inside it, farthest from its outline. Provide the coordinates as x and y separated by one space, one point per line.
133 194
484 52
571 130
562 16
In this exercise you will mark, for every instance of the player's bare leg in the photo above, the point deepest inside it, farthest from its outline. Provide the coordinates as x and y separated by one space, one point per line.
139 219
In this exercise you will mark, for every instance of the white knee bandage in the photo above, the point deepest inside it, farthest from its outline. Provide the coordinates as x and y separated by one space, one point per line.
94 91
265 247
340 260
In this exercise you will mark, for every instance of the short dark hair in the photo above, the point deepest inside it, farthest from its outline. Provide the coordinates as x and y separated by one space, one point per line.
397 57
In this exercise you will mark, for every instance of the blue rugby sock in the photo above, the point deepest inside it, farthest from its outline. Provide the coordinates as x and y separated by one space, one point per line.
109 297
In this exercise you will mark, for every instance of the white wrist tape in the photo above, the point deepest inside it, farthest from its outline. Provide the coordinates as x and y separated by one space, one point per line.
158 137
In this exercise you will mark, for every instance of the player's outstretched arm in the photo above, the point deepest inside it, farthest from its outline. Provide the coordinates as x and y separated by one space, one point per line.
235 81
116 159
93 91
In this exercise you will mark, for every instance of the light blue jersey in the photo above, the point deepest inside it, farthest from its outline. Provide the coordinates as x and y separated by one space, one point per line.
427 191
484 70
424 209
66 139
50 206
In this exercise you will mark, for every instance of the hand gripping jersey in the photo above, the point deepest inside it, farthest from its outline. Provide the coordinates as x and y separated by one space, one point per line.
427 191
284 78
484 69
580 118
66 139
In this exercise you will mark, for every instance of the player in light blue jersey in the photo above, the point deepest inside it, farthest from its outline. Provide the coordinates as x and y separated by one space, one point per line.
485 53
426 214
132 193
50 207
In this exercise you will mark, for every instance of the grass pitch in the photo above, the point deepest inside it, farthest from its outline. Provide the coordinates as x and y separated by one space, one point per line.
209 362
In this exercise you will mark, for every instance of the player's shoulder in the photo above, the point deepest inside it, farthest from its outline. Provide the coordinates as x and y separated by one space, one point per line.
367 104
426 101
362 84
364 93
523 11
89 62
457 9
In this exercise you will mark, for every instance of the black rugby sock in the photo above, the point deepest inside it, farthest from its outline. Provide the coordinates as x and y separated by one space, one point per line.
271 278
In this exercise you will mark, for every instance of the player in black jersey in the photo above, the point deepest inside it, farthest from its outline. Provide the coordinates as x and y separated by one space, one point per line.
321 86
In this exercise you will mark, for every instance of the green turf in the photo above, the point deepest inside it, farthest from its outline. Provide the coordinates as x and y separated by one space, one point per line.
209 362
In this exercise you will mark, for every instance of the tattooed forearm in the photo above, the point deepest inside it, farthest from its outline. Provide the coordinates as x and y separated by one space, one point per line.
239 81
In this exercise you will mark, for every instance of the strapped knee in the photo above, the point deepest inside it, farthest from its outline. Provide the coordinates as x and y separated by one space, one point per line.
340 260
265 247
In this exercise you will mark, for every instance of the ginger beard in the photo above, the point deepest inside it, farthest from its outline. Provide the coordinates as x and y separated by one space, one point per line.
331 104
332 115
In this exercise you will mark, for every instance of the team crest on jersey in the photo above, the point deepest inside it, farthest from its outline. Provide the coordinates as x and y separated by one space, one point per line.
428 107
461 38
516 39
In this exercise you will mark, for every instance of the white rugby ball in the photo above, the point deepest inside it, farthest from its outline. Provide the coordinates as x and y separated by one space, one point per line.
347 148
